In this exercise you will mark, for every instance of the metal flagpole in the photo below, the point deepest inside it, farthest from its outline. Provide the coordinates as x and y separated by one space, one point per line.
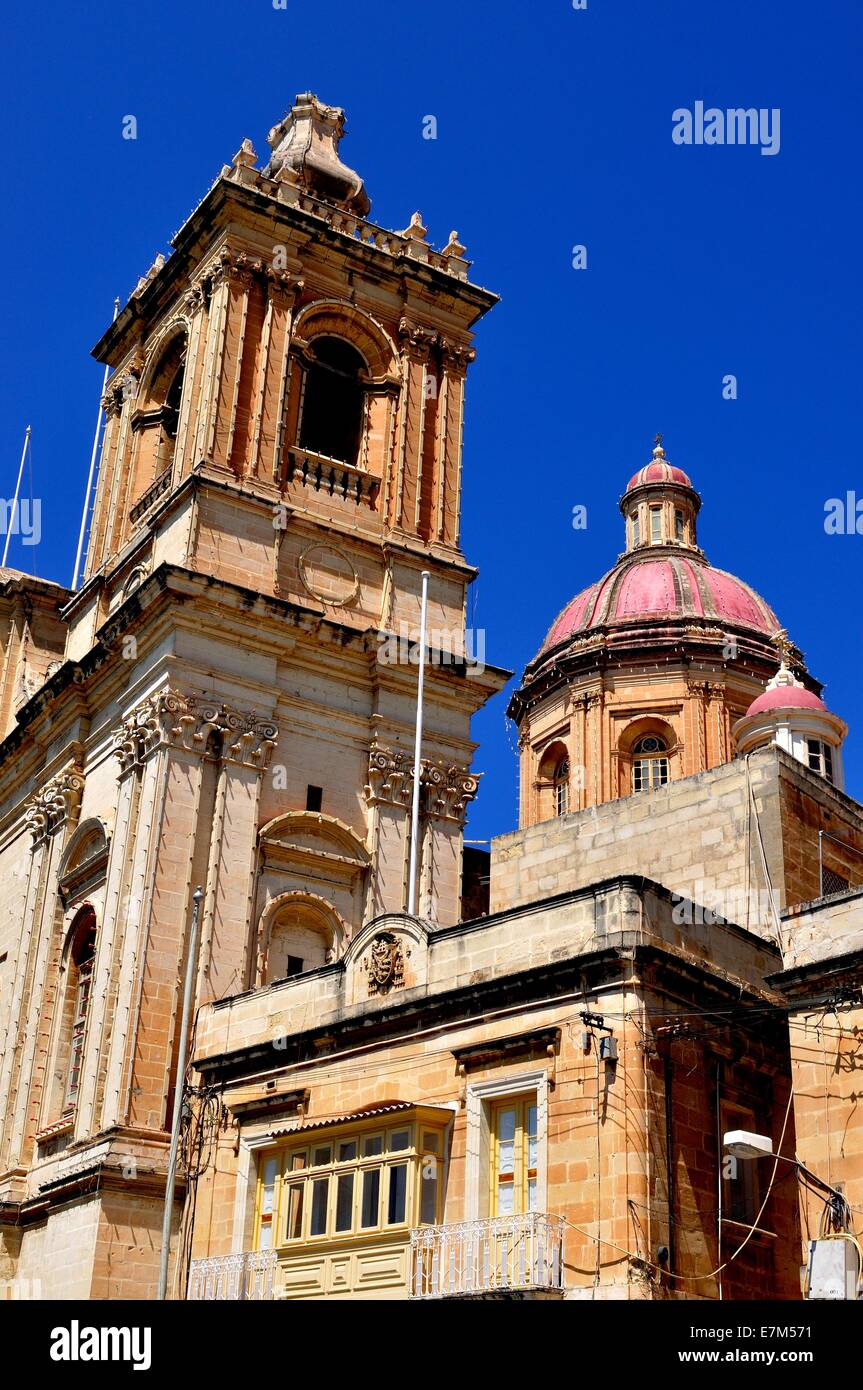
179 1087
415 809
13 515
93 456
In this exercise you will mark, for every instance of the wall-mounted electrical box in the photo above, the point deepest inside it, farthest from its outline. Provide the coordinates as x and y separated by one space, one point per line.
834 1269
608 1049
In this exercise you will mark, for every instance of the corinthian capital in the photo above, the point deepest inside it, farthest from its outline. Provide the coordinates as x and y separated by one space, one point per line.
55 804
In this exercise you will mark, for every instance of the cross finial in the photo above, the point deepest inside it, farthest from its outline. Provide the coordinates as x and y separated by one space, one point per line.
783 645
658 451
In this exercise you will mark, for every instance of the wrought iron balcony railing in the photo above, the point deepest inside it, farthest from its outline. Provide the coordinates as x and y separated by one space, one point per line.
231 1278
501 1254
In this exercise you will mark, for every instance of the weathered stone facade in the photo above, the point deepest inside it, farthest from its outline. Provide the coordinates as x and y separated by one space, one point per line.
382 1104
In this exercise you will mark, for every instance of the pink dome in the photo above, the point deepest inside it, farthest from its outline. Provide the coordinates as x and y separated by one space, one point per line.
785 697
658 472
649 588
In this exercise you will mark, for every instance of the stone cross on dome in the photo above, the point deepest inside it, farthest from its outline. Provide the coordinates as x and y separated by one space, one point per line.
784 647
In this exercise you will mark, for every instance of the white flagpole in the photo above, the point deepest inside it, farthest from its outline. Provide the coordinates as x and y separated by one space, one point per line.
13 515
415 809
93 456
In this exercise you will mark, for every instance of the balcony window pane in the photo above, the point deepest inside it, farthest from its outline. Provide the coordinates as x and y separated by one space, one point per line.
345 1202
397 1199
320 1200
431 1141
347 1151
374 1144
371 1197
531 1194
505 1199
428 1192
298 1162
401 1139
322 1156
531 1136
295 1212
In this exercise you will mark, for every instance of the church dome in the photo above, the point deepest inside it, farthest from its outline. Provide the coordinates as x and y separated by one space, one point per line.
646 674
648 588
658 471
663 578
785 697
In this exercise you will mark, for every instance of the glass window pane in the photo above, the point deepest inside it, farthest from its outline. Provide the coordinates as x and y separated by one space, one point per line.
265 1239
270 1168
396 1202
373 1144
298 1161
347 1151
320 1198
371 1196
401 1139
505 1199
295 1212
428 1192
345 1202
531 1194
322 1156
431 1141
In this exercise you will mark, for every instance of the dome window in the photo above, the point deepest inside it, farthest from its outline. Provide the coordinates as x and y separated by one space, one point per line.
649 763
636 529
678 525
655 525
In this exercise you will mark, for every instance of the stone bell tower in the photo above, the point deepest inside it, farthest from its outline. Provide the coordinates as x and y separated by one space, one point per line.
285 418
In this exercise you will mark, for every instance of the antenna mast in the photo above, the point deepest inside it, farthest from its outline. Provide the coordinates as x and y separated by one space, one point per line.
13 515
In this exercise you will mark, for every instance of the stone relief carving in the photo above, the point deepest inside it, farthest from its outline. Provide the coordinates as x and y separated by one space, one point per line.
55 804
447 788
169 719
385 964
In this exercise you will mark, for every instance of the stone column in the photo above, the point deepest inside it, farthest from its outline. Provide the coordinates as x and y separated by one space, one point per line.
51 814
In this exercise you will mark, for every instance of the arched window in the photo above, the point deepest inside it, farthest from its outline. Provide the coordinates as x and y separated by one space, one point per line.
333 400
80 961
649 763
561 787
156 420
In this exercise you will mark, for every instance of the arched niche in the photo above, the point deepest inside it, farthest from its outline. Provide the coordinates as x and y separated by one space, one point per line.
317 858
298 932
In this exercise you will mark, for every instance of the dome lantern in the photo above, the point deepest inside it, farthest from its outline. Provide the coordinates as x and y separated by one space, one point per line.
660 505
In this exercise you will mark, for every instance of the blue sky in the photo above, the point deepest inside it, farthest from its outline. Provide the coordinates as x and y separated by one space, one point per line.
554 129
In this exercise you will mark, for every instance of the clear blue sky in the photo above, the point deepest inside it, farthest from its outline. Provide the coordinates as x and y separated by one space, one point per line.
554 128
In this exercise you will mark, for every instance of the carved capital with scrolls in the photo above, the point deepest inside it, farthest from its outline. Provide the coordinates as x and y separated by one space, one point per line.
416 340
169 719
55 804
449 790
391 777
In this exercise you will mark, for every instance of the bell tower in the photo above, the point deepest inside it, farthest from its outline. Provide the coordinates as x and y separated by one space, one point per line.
285 417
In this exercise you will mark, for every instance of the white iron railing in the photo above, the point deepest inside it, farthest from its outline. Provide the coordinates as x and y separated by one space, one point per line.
498 1255
230 1278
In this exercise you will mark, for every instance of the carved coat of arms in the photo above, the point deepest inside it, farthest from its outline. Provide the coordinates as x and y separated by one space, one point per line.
385 964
